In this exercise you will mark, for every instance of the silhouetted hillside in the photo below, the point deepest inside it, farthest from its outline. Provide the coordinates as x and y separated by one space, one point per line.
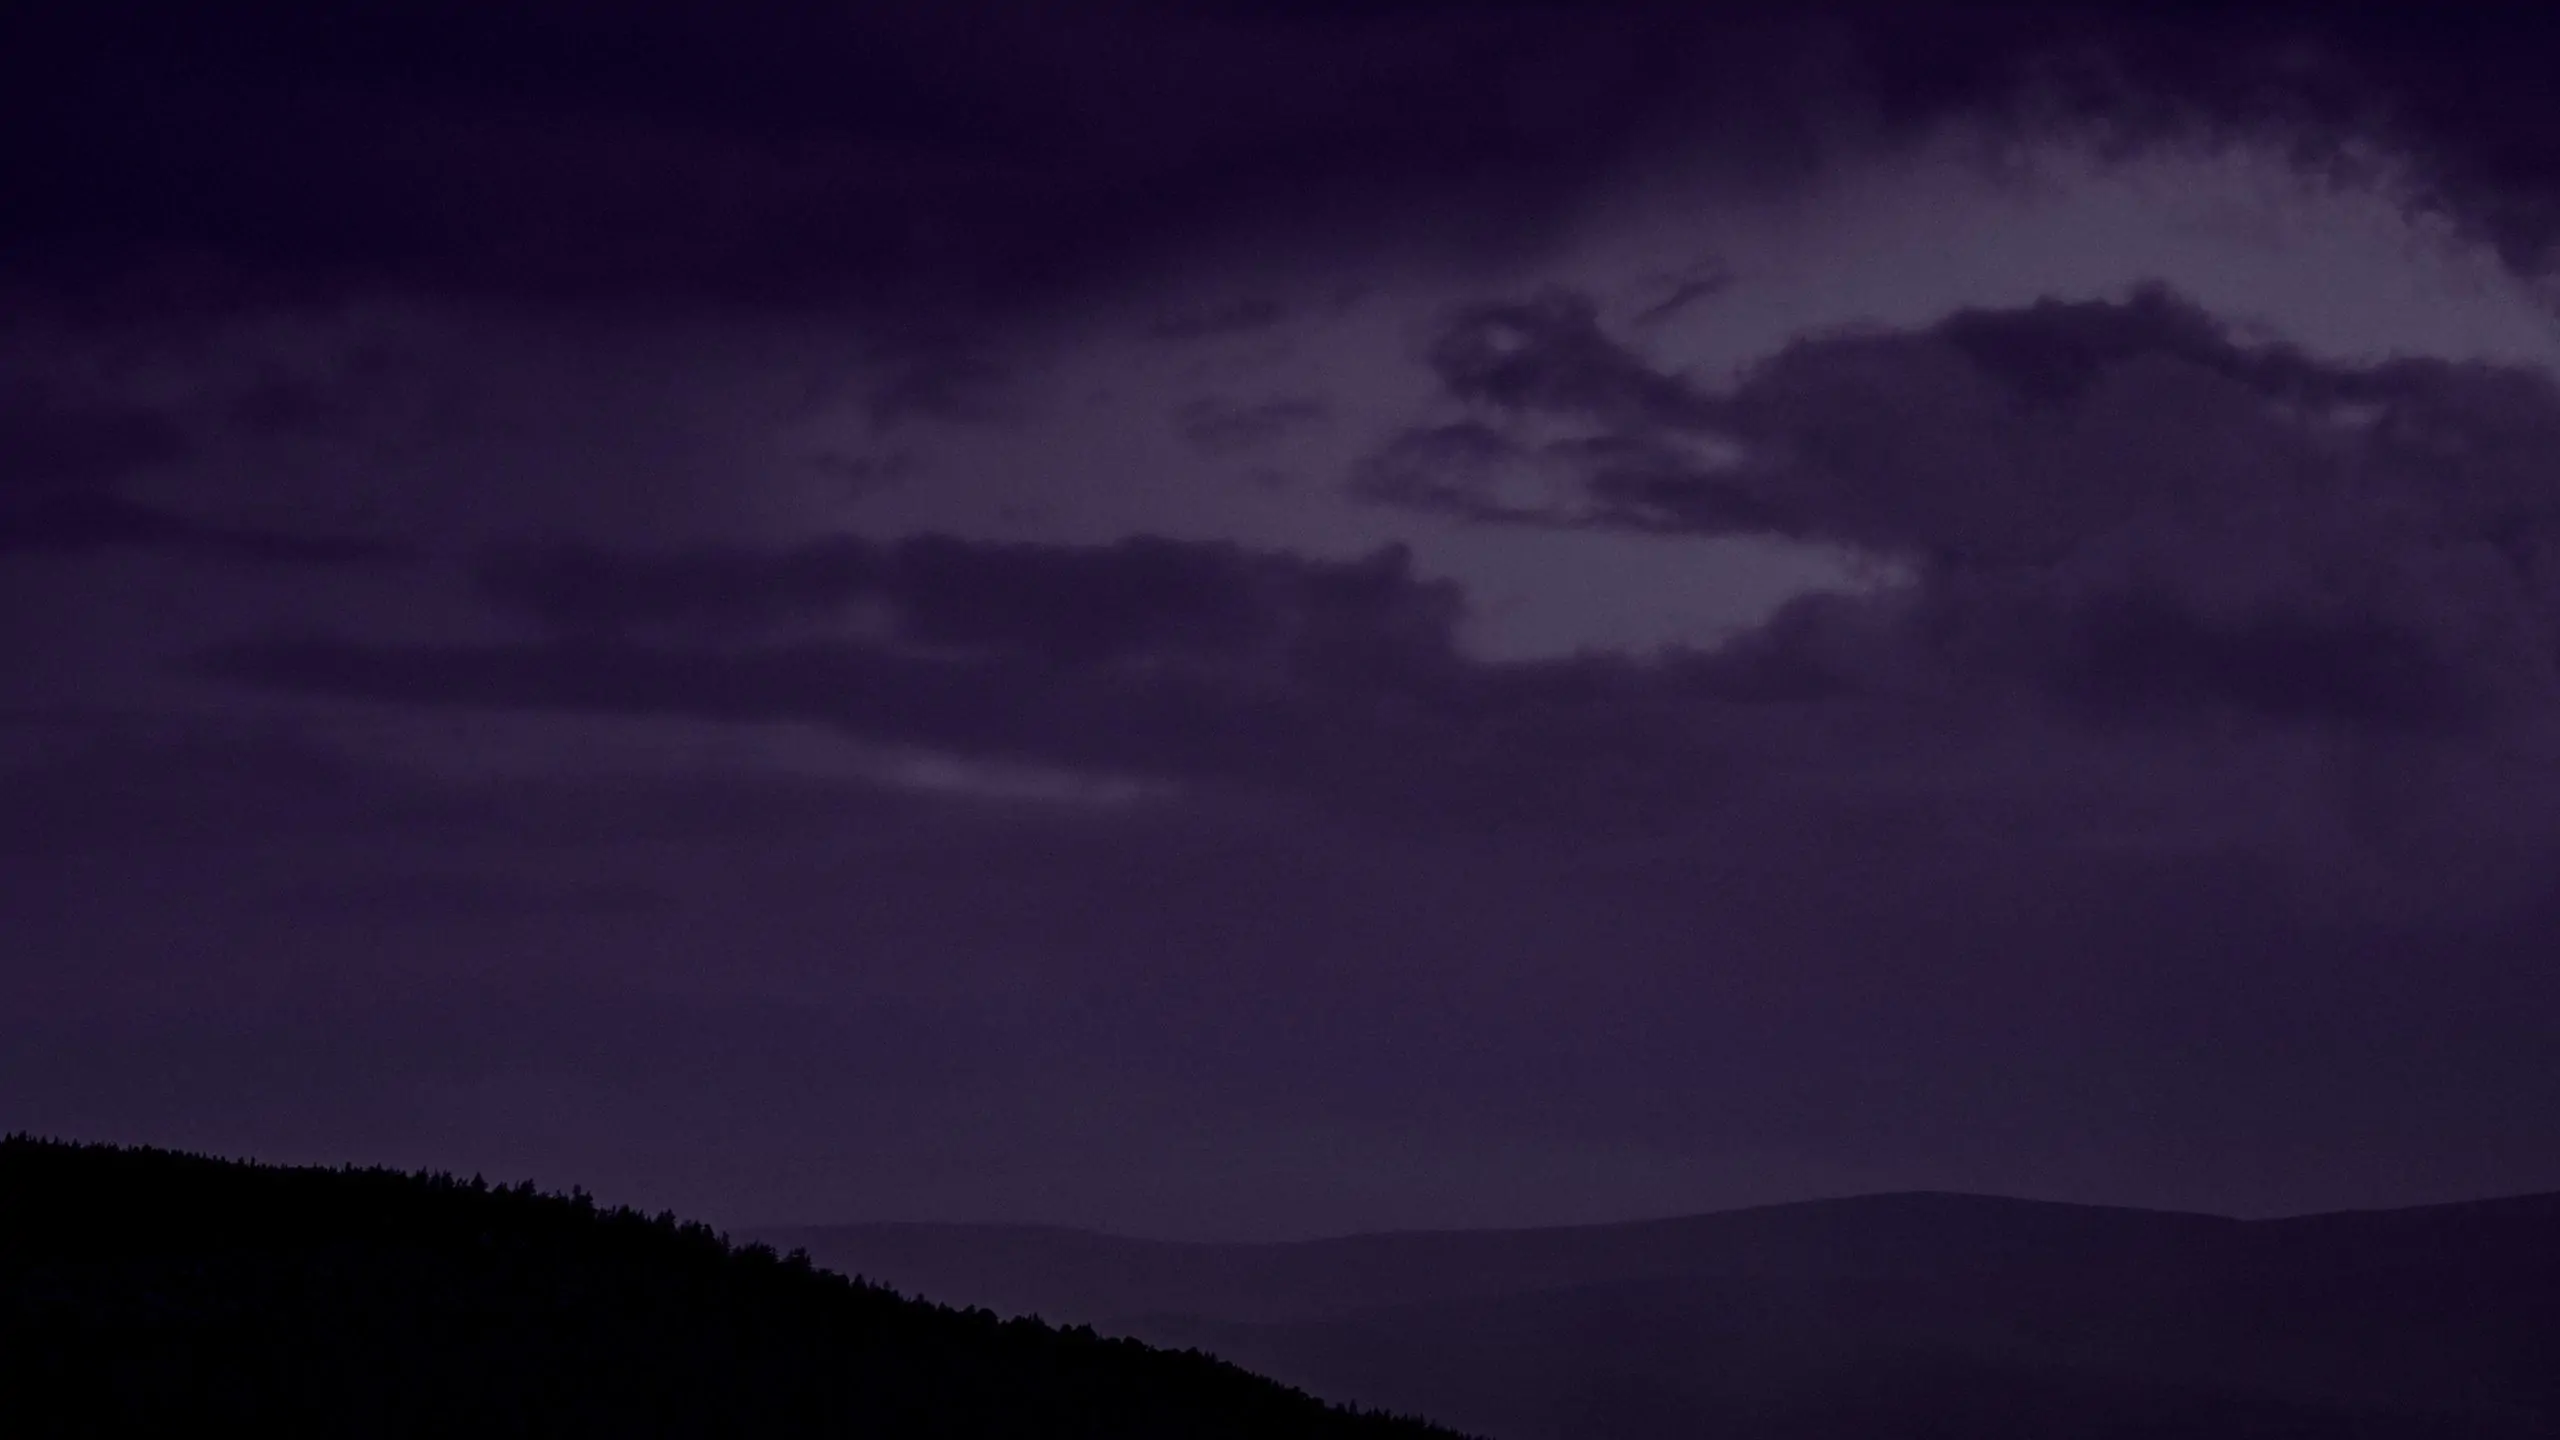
1884 1316
143 1291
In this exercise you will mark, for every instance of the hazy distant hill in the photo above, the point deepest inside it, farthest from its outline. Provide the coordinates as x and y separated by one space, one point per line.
145 1292
1885 1316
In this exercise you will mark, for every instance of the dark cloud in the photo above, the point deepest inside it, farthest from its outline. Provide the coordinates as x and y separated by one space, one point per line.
1012 709
290 405
2452 96
865 474
1142 598
577 589
2128 653
107 782
158 784
767 150
1832 964
76 524
1451 469
2172 820
1549 353
1675 293
64 462
955 389
445 896
1147 598
1238 317
1227 427
55 443
1001 150
1246 671
2120 503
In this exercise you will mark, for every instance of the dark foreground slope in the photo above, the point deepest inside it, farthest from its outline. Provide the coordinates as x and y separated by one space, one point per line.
143 1291
1878 1318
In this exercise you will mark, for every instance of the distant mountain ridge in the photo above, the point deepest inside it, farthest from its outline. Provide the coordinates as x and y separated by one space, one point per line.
1884 1315
150 1292
1051 1269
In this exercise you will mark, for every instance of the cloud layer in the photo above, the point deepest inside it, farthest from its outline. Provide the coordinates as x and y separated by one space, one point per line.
2166 813
2117 504
768 151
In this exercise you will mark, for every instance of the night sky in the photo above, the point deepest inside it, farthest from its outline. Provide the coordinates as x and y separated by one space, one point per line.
1255 620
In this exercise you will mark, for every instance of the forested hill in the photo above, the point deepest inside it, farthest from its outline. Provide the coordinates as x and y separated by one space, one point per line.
149 1291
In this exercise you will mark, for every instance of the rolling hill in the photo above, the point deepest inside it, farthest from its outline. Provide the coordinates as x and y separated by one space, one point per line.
1880 1316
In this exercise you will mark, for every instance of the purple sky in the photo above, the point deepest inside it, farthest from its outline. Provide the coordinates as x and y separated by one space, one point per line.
1255 620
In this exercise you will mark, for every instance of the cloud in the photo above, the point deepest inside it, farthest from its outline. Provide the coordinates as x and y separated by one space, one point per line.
2150 695
996 151
580 589
1549 353
1683 290
954 389
1244 671
448 896
1218 322
281 404
64 460
1140 599
2119 504
859 475
2204 682
1228 427
81 524
53 443
2449 112
1451 469
763 152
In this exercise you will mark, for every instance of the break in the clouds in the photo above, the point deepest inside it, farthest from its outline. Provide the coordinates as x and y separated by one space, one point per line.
1257 619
